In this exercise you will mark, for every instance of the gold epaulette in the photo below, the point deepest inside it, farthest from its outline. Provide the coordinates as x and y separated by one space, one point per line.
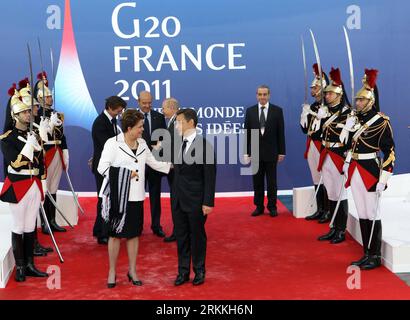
383 116
5 135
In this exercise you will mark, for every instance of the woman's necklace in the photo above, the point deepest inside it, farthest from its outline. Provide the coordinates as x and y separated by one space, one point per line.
133 145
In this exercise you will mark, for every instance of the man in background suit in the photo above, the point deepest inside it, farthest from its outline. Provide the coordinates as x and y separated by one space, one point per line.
193 194
267 119
104 127
170 106
152 120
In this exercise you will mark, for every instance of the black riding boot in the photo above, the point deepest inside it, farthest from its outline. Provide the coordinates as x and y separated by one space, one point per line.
18 252
39 250
52 220
332 232
365 241
341 222
31 270
319 203
375 254
327 212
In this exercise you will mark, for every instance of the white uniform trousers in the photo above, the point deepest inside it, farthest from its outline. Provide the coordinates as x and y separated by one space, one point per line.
313 161
365 201
25 212
54 172
333 180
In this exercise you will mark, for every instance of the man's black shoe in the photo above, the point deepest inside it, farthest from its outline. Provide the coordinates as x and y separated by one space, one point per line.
181 279
199 279
159 233
171 238
257 212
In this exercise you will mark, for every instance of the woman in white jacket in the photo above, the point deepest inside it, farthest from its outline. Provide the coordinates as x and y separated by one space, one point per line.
122 164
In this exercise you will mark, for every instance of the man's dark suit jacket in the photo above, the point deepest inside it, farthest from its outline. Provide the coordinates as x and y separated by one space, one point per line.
194 184
272 143
101 131
157 122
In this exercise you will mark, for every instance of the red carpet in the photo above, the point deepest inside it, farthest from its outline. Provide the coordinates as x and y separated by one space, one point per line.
248 258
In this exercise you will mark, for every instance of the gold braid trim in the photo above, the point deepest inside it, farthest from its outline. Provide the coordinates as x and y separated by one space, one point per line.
5 135
19 163
390 159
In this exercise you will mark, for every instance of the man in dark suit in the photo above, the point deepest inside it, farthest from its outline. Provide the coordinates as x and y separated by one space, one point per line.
193 194
153 120
170 106
104 127
266 120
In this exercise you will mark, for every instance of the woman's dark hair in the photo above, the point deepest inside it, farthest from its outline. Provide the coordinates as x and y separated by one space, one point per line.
130 118
189 114
115 102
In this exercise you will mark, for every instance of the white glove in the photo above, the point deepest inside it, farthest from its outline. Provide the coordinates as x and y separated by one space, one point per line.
44 185
54 121
303 119
305 108
380 187
44 128
66 159
316 125
322 113
350 123
344 136
30 146
246 159
304 114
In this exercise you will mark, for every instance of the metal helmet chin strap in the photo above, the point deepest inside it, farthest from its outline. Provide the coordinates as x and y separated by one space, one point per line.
368 106
338 99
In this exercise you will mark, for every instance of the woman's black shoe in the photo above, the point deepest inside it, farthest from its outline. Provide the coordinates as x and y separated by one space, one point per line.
112 285
134 282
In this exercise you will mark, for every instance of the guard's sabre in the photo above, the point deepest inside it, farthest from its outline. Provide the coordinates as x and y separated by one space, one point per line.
374 220
73 192
304 68
50 197
42 74
31 90
349 54
317 189
51 233
318 64
54 78
338 201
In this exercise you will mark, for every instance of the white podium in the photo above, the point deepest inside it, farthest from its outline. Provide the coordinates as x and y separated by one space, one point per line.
65 202
302 201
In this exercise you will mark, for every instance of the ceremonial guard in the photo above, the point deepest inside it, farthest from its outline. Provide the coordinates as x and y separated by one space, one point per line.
370 132
40 127
332 155
23 186
314 142
56 152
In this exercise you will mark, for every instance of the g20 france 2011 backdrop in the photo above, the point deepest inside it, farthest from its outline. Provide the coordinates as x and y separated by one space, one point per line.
210 55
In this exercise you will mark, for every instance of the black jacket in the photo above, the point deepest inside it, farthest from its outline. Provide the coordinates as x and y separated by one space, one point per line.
157 122
272 143
101 131
194 184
